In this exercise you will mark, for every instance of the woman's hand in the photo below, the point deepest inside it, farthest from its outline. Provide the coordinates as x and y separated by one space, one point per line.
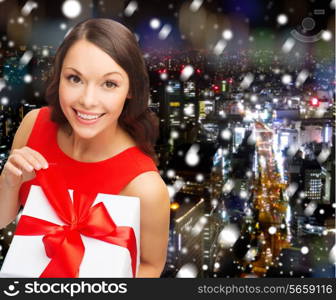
21 165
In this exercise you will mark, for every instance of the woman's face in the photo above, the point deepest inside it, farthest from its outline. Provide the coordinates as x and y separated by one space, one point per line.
92 89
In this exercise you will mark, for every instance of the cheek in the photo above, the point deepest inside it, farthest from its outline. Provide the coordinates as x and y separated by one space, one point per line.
67 95
113 101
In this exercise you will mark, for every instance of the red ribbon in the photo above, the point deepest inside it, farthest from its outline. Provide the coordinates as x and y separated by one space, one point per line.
63 244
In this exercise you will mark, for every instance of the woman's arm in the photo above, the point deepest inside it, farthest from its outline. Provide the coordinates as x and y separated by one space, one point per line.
9 195
154 222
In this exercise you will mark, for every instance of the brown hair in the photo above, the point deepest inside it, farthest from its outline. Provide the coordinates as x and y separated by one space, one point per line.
119 43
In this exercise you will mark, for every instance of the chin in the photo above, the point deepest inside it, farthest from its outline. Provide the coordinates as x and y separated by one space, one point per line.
86 134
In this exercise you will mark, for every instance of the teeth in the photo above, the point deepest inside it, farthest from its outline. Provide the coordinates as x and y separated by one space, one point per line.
88 117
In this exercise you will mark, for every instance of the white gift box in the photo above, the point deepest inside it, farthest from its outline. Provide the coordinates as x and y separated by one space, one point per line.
26 256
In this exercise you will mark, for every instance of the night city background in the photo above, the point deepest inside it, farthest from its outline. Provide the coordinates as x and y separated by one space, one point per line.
245 94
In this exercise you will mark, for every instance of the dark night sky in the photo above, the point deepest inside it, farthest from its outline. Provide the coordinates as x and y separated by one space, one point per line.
255 14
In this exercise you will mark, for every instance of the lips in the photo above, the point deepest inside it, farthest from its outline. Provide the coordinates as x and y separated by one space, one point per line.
87 118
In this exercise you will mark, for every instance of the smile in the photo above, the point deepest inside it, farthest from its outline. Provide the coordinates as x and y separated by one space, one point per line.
87 118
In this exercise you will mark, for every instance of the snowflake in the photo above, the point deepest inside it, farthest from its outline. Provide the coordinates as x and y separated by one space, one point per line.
26 57
291 189
301 78
20 20
286 79
309 210
228 186
304 250
188 110
199 177
227 34
198 227
243 194
228 236
2 84
226 134
28 7
251 254
165 31
324 154
254 98
326 35
27 78
332 255
171 191
45 52
164 76
170 173
187 72
195 5
174 134
131 8
187 271
219 47
155 23
4 101
214 203
171 249
282 19
248 79
63 26
192 157
71 9
288 45
272 230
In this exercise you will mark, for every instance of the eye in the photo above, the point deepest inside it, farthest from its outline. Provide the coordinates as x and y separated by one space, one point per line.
73 78
110 84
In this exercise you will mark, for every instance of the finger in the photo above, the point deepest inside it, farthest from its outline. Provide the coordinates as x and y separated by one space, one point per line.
12 169
20 162
38 157
31 159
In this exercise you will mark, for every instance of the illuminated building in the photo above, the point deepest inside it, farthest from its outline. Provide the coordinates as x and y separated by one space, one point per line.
315 184
186 243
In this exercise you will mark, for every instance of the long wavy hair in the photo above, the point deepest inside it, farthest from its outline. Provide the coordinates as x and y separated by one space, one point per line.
120 44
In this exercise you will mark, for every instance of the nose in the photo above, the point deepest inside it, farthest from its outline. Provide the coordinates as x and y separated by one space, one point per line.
89 98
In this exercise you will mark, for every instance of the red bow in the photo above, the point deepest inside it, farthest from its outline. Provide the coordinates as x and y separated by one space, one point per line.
63 244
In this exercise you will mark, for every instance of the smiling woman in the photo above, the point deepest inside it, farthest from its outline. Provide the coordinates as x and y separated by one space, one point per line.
118 53
99 132
92 91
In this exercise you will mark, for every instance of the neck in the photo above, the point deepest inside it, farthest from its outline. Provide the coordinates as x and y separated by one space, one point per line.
96 148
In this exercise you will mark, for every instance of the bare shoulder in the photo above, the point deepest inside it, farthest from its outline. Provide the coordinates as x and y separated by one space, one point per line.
23 132
148 186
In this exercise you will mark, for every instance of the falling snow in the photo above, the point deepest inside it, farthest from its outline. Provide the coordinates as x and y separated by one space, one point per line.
228 236
165 31
187 271
71 8
131 8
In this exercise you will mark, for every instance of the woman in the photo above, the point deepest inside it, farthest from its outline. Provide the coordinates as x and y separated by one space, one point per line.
98 129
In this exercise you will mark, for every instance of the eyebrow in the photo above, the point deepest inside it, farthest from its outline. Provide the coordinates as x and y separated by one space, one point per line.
109 73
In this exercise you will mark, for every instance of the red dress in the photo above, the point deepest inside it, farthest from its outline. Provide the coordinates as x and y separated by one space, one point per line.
109 176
